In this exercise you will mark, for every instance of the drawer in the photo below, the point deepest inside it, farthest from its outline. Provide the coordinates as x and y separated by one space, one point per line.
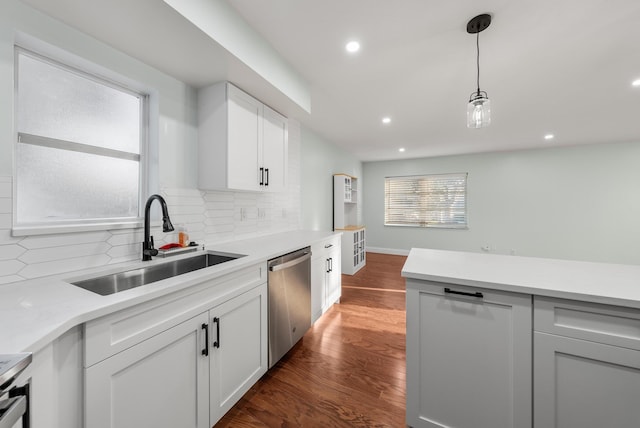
612 325
320 247
116 332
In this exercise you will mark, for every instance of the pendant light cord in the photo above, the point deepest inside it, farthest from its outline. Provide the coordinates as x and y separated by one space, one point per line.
478 59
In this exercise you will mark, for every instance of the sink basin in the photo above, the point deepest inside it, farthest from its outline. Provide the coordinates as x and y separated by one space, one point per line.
116 282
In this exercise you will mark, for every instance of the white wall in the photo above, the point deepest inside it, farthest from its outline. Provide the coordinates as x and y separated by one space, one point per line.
580 203
211 217
320 160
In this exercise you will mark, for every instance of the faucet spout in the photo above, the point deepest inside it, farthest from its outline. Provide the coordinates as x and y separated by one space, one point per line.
147 246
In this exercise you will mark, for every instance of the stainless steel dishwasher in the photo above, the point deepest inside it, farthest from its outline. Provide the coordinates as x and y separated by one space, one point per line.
289 285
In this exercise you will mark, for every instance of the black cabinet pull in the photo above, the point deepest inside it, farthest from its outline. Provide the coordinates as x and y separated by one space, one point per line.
266 176
205 351
477 294
216 344
328 246
261 176
331 264
327 265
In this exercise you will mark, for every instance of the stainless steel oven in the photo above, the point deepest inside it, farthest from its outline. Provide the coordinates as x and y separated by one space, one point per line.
14 399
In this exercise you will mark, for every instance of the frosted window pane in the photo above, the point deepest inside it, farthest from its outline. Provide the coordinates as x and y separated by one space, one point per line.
56 103
57 185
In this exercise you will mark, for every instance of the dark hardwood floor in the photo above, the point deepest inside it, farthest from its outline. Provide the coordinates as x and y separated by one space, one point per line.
348 370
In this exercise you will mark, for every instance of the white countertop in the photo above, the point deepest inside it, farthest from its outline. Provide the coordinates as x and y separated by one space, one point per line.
586 281
33 313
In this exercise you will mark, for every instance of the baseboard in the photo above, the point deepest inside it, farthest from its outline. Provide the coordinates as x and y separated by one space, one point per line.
392 251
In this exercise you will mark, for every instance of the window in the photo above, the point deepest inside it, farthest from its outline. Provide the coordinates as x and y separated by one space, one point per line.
80 148
426 200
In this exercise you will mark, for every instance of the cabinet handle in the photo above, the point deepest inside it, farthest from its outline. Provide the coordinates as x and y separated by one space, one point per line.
331 264
205 351
477 294
327 266
266 175
328 246
216 344
261 176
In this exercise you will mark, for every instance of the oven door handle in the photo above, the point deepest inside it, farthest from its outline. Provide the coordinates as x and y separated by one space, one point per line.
290 263
13 410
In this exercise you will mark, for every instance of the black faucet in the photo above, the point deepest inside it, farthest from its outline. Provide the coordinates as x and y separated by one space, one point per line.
147 245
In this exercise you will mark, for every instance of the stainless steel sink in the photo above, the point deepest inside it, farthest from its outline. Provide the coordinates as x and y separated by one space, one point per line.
116 282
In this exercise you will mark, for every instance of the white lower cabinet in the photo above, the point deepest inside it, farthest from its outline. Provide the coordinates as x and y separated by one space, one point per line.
586 365
326 280
161 382
353 250
468 357
238 349
189 374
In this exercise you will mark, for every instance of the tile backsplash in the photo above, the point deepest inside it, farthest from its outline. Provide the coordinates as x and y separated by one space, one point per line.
210 217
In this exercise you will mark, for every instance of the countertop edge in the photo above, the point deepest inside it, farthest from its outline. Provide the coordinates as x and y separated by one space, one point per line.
37 333
591 282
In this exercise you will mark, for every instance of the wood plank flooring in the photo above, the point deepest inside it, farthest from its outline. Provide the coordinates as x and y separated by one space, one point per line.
348 370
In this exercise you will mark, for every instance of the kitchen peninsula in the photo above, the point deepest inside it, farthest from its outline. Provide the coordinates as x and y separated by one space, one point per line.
508 341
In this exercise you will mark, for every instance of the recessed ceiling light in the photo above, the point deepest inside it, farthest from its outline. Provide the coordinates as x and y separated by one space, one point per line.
352 46
386 120
549 137
401 149
636 83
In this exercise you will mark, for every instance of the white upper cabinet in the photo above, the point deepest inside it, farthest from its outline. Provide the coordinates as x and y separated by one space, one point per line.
242 143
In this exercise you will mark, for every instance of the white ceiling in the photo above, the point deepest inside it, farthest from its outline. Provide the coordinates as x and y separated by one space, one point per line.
549 66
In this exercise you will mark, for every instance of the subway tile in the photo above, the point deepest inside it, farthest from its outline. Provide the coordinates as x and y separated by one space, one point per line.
10 278
48 241
12 251
11 267
64 252
37 270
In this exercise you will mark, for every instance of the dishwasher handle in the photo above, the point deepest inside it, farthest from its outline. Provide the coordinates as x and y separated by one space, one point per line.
285 265
13 410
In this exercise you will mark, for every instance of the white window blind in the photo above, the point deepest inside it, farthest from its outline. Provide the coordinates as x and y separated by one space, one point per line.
438 200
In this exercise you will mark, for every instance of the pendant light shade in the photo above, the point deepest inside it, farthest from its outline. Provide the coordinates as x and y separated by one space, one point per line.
479 107
479 110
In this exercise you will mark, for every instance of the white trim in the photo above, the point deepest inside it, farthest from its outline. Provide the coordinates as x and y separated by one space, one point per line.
70 228
392 251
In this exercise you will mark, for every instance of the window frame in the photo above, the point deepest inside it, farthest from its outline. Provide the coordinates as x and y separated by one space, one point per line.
427 224
97 74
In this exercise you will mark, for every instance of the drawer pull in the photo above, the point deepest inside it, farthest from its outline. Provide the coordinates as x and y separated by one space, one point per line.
477 294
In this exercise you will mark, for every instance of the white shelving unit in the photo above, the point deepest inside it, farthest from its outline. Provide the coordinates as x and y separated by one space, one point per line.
345 220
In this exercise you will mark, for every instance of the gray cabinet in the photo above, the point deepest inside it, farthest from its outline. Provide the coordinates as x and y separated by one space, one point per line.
586 365
468 357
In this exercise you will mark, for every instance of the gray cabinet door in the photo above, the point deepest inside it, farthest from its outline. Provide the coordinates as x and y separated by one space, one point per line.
583 384
468 357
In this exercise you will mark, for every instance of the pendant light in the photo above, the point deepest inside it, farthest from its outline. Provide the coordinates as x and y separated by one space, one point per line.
479 107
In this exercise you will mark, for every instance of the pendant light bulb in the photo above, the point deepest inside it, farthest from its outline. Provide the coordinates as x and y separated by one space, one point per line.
479 110
479 106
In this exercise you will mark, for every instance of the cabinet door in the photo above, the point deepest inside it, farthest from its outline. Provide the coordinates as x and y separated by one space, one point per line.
583 384
274 150
238 348
160 382
244 135
333 279
468 358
